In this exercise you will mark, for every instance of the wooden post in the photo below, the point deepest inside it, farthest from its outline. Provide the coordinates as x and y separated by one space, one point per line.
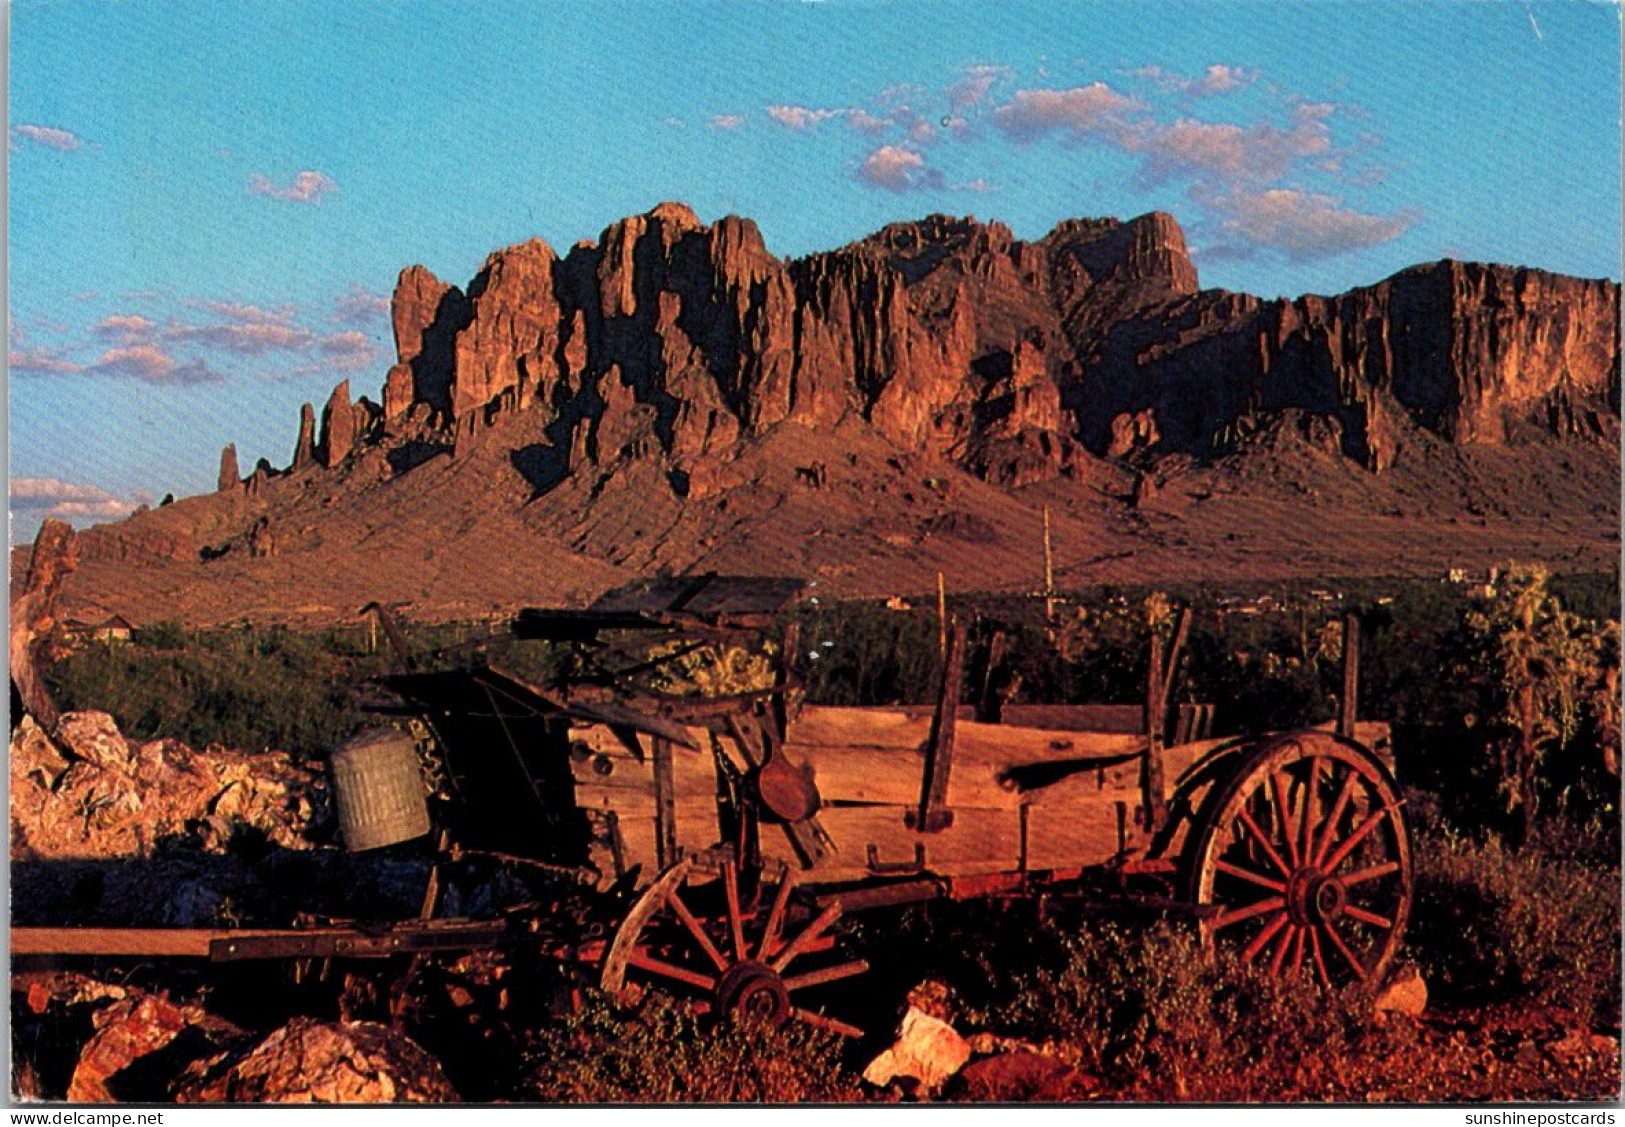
1348 708
942 620
665 805
1049 573
933 814
1155 714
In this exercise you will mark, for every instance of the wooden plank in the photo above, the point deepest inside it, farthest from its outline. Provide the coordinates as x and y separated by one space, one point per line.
1004 744
1120 718
978 842
1074 835
191 942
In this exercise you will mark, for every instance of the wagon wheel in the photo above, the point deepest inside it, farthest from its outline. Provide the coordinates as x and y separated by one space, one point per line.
732 959
1307 859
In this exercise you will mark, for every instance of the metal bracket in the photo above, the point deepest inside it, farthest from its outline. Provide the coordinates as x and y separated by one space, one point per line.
876 865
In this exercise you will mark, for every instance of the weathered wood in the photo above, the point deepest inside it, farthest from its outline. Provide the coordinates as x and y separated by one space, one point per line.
33 615
1063 836
1154 798
979 841
1348 706
933 814
665 804
908 728
1121 718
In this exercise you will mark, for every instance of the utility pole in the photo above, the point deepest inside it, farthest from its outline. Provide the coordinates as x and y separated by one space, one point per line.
1049 573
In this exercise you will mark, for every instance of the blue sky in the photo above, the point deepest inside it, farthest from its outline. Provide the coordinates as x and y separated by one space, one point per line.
209 203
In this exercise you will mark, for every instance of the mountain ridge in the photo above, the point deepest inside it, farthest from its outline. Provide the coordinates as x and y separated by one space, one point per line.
682 371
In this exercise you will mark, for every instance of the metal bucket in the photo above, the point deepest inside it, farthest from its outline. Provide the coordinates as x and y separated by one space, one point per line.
379 790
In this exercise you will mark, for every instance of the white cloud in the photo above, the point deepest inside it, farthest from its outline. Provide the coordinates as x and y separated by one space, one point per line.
801 117
128 327
865 122
148 363
974 84
48 137
1081 111
897 169
1302 225
359 307
308 186
727 121
348 351
1254 154
245 314
51 497
253 339
41 361
1219 78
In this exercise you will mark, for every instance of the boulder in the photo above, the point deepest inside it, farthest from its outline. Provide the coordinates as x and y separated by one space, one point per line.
927 1052
1406 993
309 1061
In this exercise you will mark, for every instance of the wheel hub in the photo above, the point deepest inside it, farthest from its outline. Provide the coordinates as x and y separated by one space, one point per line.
753 991
1314 897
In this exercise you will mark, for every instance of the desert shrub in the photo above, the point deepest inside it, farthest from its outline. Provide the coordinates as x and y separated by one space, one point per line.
662 1053
1149 1002
1496 924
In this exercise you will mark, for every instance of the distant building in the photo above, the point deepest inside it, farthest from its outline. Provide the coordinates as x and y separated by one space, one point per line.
114 629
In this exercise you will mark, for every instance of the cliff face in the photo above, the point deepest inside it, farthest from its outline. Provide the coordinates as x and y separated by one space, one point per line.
673 340
1472 353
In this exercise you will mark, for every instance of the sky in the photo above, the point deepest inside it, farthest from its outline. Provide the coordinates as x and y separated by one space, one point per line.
209 203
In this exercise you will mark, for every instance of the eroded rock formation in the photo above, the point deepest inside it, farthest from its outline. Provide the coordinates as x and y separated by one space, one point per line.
670 339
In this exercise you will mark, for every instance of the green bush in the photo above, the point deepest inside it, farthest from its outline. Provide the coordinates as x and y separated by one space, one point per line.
662 1053
1493 924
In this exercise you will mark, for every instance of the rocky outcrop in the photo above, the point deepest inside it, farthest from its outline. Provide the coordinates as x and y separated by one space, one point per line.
304 449
672 344
338 426
673 340
1470 353
230 479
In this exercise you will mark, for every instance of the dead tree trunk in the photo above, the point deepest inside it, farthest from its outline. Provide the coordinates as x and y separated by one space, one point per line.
33 613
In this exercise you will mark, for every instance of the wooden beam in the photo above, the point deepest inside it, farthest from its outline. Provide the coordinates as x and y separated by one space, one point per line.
933 814
1153 797
1348 706
665 805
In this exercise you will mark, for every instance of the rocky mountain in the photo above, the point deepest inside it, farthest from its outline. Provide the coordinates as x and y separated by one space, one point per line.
673 395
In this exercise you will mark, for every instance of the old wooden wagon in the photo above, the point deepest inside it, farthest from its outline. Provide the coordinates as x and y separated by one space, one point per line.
720 837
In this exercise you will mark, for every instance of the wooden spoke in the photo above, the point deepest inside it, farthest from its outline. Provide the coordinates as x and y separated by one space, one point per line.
1295 961
693 925
1366 917
775 919
828 974
1248 875
667 970
1283 815
1356 838
1343 949
1263 843
1235 916
1320 957
805 940
1289 938
736 920
1375 871
1345 793
1261 940
829 1023
1310 794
